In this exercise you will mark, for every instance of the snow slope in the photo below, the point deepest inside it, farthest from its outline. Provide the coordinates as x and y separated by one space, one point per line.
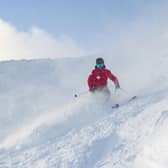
43 126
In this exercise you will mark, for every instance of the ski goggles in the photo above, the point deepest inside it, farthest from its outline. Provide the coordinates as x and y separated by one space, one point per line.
100 65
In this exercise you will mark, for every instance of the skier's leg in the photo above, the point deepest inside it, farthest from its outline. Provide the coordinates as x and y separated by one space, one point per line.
107 93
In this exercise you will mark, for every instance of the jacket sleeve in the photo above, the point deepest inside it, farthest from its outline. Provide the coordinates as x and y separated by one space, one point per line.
90 81
113 78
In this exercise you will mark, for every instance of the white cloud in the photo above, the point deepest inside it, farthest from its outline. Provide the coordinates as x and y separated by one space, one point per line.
36 43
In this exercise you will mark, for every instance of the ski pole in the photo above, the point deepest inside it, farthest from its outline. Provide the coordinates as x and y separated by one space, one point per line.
124 91
81 93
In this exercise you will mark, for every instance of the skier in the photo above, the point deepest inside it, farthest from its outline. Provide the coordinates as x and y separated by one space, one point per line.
97 80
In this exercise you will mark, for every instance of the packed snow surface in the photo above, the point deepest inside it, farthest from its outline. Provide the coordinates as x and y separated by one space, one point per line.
42 125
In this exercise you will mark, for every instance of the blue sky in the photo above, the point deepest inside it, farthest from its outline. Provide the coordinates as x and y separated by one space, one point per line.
82 20
90 23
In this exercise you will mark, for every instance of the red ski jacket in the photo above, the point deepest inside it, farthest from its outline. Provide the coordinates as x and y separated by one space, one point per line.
98 78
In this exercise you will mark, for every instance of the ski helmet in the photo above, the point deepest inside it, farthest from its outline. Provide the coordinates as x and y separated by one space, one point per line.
99 61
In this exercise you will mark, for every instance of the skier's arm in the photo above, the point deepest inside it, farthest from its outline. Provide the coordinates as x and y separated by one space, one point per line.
113 78
90 82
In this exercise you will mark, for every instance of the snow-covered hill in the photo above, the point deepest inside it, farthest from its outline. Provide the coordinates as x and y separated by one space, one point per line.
43 126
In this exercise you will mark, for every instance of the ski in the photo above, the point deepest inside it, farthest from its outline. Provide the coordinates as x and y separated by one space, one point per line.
118 105
115 106
132 98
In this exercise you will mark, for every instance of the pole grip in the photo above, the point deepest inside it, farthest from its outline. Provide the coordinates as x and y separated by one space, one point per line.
75 95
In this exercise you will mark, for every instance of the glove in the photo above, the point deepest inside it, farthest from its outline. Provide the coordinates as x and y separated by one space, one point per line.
117 86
